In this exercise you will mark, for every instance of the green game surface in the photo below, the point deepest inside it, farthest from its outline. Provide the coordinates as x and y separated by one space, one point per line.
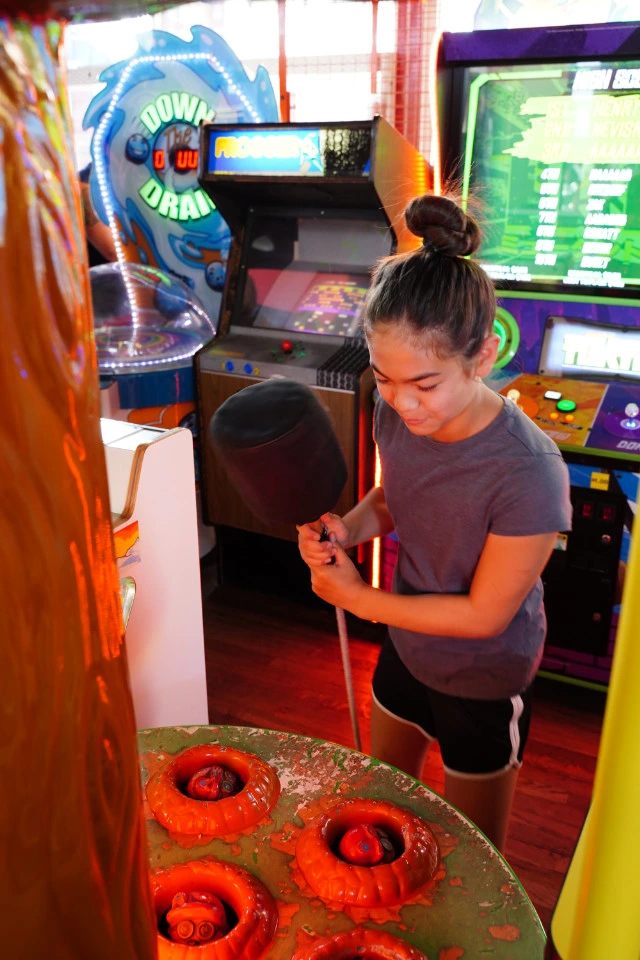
474 908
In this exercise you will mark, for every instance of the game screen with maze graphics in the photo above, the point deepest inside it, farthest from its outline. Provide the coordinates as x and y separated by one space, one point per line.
308 274
308 302
552 153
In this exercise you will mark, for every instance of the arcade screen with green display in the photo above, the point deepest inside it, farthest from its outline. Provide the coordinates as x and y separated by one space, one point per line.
552 153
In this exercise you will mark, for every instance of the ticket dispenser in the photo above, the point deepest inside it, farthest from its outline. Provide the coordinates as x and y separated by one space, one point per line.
153 518
311 208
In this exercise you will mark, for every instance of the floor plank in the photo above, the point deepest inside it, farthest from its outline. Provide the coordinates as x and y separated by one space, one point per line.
275 663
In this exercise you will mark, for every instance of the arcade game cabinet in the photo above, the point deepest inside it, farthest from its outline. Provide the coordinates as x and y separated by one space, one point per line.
311 208
542 126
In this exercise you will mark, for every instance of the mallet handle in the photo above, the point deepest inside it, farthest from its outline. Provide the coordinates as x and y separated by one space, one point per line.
348 679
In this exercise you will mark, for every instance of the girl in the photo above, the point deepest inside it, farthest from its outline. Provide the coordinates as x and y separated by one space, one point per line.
476 494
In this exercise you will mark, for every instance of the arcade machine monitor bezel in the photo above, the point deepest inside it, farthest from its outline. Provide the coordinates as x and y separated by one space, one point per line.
569 49
301 275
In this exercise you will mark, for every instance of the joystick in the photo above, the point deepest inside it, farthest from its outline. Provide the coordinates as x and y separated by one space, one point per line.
288 349
630 421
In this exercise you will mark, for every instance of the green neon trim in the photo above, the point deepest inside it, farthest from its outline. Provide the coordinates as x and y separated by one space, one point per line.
573 681
564 298
506 326
472 114
596 452
531 75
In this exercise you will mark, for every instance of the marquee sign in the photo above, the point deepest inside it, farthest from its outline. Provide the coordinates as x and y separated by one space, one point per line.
574 348
268 153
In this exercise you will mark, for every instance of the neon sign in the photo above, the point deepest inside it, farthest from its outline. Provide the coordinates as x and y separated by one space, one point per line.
173 118
190 205
175 106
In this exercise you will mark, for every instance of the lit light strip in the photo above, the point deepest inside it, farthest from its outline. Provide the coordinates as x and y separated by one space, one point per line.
156 361
377 543
433 108
99 157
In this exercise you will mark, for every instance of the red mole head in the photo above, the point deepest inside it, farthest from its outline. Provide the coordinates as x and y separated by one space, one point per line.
366 846
196 917
213 783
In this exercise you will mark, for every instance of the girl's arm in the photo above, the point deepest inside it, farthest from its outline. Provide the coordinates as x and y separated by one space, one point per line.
369 519
507 570
98 233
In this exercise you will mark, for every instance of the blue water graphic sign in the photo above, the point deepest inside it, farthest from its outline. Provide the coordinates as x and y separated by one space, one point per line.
145 152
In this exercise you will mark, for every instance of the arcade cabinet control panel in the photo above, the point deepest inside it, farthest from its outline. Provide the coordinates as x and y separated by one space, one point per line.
600 413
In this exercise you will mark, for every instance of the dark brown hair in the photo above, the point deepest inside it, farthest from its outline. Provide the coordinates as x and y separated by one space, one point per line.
433 289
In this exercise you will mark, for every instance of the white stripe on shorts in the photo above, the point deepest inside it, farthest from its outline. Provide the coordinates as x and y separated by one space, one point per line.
514 730
514 735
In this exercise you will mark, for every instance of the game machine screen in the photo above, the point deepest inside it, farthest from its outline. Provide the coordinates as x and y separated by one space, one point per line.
160 303
312 208
547 141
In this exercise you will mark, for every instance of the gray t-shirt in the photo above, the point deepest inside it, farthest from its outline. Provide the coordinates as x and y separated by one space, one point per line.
509 479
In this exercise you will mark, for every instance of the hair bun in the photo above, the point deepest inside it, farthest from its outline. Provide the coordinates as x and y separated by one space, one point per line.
442 225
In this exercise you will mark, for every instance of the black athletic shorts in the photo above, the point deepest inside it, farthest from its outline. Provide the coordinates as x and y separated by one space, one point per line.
476 737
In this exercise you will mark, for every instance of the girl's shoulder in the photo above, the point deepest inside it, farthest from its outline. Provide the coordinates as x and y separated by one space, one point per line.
524 435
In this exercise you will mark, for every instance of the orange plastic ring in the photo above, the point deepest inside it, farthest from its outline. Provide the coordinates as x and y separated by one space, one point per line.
386 884
185 816
343 946
246 895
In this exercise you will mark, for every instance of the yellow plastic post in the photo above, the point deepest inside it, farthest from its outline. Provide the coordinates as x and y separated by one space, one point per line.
598 912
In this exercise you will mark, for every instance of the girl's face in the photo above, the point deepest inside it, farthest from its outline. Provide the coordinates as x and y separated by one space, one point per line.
434 397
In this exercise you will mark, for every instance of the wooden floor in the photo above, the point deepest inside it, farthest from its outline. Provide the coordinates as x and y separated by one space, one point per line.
275 663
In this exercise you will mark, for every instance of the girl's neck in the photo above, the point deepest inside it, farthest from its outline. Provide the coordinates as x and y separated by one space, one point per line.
484 407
